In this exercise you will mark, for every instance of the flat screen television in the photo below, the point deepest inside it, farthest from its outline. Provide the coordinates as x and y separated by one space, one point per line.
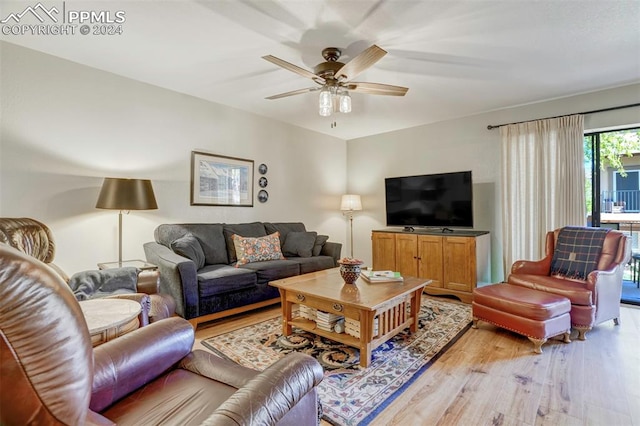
438 200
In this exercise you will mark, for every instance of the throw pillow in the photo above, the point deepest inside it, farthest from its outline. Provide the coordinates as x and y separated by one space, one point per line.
299 244
283 228
189 247
258 249
317 247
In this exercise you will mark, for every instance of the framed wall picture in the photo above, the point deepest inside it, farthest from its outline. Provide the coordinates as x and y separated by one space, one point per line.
217 180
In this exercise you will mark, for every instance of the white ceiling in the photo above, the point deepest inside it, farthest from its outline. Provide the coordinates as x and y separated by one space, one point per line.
458 58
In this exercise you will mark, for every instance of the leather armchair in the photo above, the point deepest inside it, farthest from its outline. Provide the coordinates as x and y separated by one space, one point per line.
594 300
36 239
148 376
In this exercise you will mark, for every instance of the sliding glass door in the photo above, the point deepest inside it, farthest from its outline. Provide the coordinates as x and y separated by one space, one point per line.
612 171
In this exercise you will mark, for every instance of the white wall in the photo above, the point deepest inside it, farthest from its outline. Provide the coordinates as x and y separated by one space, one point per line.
65 126
462 144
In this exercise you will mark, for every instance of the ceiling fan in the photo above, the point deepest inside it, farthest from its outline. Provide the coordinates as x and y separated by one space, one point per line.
334 79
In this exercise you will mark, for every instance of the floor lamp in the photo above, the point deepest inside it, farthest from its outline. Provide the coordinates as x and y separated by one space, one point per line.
125 195
349 204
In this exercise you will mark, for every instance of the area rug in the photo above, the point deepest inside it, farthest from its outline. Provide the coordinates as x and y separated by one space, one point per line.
350 394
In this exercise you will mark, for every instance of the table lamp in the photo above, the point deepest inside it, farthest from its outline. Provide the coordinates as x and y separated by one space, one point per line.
349 204
125 195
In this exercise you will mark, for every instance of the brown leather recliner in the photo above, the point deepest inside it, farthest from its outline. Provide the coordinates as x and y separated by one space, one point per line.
50 375
594 300
36 239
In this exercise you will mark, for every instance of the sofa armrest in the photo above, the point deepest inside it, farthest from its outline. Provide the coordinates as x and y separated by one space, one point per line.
606 285
129 362
270 395
178 278
217 368
332 249
538 267
162 306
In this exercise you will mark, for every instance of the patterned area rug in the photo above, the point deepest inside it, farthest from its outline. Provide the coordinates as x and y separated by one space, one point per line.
352 395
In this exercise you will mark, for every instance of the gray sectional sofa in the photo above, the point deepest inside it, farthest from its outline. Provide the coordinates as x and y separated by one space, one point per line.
199 268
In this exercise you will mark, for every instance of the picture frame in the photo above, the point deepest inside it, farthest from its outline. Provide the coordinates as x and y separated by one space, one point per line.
217 180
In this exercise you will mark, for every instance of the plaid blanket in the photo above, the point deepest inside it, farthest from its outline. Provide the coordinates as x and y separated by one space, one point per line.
577 251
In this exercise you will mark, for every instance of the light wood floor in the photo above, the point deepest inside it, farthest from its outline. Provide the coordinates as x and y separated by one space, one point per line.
491 377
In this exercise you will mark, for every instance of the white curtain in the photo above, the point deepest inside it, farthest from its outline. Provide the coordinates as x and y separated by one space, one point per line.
542 183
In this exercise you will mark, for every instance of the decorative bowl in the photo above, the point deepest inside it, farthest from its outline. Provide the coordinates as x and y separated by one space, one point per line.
350 269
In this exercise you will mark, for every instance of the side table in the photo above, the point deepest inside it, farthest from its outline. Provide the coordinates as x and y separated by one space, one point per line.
110 318
148 278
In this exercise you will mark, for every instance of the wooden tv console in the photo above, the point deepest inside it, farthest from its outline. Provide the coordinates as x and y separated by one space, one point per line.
455 262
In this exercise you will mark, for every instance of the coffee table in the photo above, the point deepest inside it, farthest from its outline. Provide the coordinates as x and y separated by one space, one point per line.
395 305
110 318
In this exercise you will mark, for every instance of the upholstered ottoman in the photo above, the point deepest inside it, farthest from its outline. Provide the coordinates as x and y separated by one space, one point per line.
532 313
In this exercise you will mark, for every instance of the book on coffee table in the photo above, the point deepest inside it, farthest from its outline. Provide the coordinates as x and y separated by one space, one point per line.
381 276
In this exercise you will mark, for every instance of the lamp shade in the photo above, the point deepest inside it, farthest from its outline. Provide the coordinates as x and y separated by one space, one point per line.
351 202
126 194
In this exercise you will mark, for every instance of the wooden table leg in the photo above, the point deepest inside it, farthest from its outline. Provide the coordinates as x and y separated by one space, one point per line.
366 334
416 301
286 313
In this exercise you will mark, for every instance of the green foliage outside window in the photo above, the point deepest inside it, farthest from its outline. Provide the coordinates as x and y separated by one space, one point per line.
613 147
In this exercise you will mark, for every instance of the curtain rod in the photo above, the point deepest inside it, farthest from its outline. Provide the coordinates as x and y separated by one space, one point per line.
495 126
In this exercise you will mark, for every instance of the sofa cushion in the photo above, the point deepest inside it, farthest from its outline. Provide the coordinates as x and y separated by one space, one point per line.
179 397
299 244
273 269
188 246
254 229
317 246
209 235
284 228
260 249
314 263
575 291
221 279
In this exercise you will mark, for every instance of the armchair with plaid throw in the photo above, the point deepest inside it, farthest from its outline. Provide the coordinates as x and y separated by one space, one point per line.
585 265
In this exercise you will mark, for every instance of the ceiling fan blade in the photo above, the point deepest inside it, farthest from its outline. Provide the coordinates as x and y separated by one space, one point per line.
294 92
361 62
294 68
377 88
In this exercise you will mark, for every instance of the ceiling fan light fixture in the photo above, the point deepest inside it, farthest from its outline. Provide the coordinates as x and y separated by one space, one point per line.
325 102
325 112
345 102
334 79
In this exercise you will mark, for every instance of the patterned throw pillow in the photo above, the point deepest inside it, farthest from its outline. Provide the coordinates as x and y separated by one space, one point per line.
259 249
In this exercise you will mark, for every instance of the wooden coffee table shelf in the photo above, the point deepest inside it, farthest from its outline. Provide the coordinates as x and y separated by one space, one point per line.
310 326
395 304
